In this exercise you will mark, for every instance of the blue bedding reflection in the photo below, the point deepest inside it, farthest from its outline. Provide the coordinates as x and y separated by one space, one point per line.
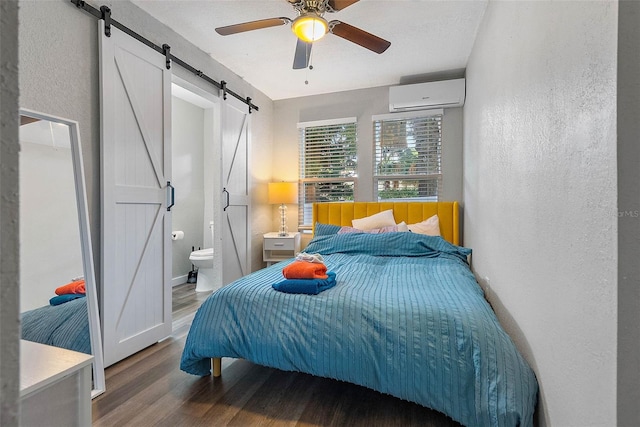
64 325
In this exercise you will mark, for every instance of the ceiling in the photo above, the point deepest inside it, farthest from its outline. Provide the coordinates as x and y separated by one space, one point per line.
428 38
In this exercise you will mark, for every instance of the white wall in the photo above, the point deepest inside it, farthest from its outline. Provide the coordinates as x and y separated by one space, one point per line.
50 254
363 104
187 145
540 194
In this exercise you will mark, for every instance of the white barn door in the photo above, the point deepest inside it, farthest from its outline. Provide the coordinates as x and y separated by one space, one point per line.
136 168
236 244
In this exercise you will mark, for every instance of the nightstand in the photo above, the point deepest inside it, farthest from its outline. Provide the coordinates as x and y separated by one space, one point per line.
277 248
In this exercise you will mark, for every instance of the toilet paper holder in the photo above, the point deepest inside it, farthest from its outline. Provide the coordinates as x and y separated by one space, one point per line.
177 235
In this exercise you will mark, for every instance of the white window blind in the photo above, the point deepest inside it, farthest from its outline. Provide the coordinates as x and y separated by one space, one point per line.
328 165
408 152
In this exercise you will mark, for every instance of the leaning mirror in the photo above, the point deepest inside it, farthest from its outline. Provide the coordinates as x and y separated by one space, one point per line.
58 295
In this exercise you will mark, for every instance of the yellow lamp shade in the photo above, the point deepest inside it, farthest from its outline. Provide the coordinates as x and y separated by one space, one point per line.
283 192
309 27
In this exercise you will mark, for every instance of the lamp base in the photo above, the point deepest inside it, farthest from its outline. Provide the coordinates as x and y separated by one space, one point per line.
283 221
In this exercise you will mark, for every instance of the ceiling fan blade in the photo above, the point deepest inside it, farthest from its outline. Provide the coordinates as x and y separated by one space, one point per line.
301 57
358 36
252 25
336 5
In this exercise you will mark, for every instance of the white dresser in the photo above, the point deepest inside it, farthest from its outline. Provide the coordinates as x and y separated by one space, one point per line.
55 386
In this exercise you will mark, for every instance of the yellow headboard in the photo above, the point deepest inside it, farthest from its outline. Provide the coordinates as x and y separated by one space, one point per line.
341 213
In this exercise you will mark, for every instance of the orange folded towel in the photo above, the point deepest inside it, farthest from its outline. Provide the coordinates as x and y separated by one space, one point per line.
305 270
76 287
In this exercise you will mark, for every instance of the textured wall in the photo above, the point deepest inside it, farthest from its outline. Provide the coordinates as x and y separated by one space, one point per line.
628 214
9 216
540 194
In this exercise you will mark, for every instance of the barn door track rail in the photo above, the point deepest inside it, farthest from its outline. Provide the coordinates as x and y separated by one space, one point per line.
104 13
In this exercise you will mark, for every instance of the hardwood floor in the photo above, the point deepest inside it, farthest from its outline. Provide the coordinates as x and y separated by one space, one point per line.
149 389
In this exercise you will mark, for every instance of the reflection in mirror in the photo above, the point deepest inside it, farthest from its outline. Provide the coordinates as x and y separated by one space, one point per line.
58 297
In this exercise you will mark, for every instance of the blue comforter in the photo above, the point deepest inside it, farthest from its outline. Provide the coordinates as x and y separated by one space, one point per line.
406 318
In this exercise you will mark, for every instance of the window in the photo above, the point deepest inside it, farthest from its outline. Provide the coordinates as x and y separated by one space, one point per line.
407 163
328 164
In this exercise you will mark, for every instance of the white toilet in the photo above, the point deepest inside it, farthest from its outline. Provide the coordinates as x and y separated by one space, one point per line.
203 260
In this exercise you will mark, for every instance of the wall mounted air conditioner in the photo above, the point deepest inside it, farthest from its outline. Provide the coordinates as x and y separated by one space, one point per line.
423 96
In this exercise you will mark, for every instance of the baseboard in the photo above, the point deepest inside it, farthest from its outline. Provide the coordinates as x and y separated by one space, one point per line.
179 280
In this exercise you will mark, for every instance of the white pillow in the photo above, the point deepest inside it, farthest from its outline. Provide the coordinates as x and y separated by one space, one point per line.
430 226
379 220
403 226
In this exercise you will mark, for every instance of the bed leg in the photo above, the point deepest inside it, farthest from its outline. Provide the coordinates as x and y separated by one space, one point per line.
216 362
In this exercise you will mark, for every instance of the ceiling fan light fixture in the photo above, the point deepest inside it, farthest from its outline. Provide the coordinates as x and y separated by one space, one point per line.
309 27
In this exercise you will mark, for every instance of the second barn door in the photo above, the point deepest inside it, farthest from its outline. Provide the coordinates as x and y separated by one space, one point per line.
236 209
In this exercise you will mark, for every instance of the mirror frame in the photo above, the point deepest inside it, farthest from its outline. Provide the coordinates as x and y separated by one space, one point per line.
85 245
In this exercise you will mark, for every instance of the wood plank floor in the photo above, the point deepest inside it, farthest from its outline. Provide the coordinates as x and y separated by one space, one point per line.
148 389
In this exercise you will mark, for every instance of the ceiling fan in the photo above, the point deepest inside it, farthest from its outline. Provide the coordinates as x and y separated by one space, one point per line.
311 26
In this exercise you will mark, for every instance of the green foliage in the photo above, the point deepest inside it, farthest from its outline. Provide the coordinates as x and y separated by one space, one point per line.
398 193
330 152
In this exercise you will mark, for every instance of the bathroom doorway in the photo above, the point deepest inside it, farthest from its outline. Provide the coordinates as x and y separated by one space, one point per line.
194 173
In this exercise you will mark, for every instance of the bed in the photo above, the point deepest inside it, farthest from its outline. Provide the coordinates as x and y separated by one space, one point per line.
406 318
65 325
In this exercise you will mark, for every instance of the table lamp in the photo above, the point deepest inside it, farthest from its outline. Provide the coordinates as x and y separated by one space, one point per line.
282 193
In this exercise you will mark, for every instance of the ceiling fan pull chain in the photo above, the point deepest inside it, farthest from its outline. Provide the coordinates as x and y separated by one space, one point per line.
309 68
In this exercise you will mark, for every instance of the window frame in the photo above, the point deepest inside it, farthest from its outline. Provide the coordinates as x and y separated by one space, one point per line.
304 180
425 177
